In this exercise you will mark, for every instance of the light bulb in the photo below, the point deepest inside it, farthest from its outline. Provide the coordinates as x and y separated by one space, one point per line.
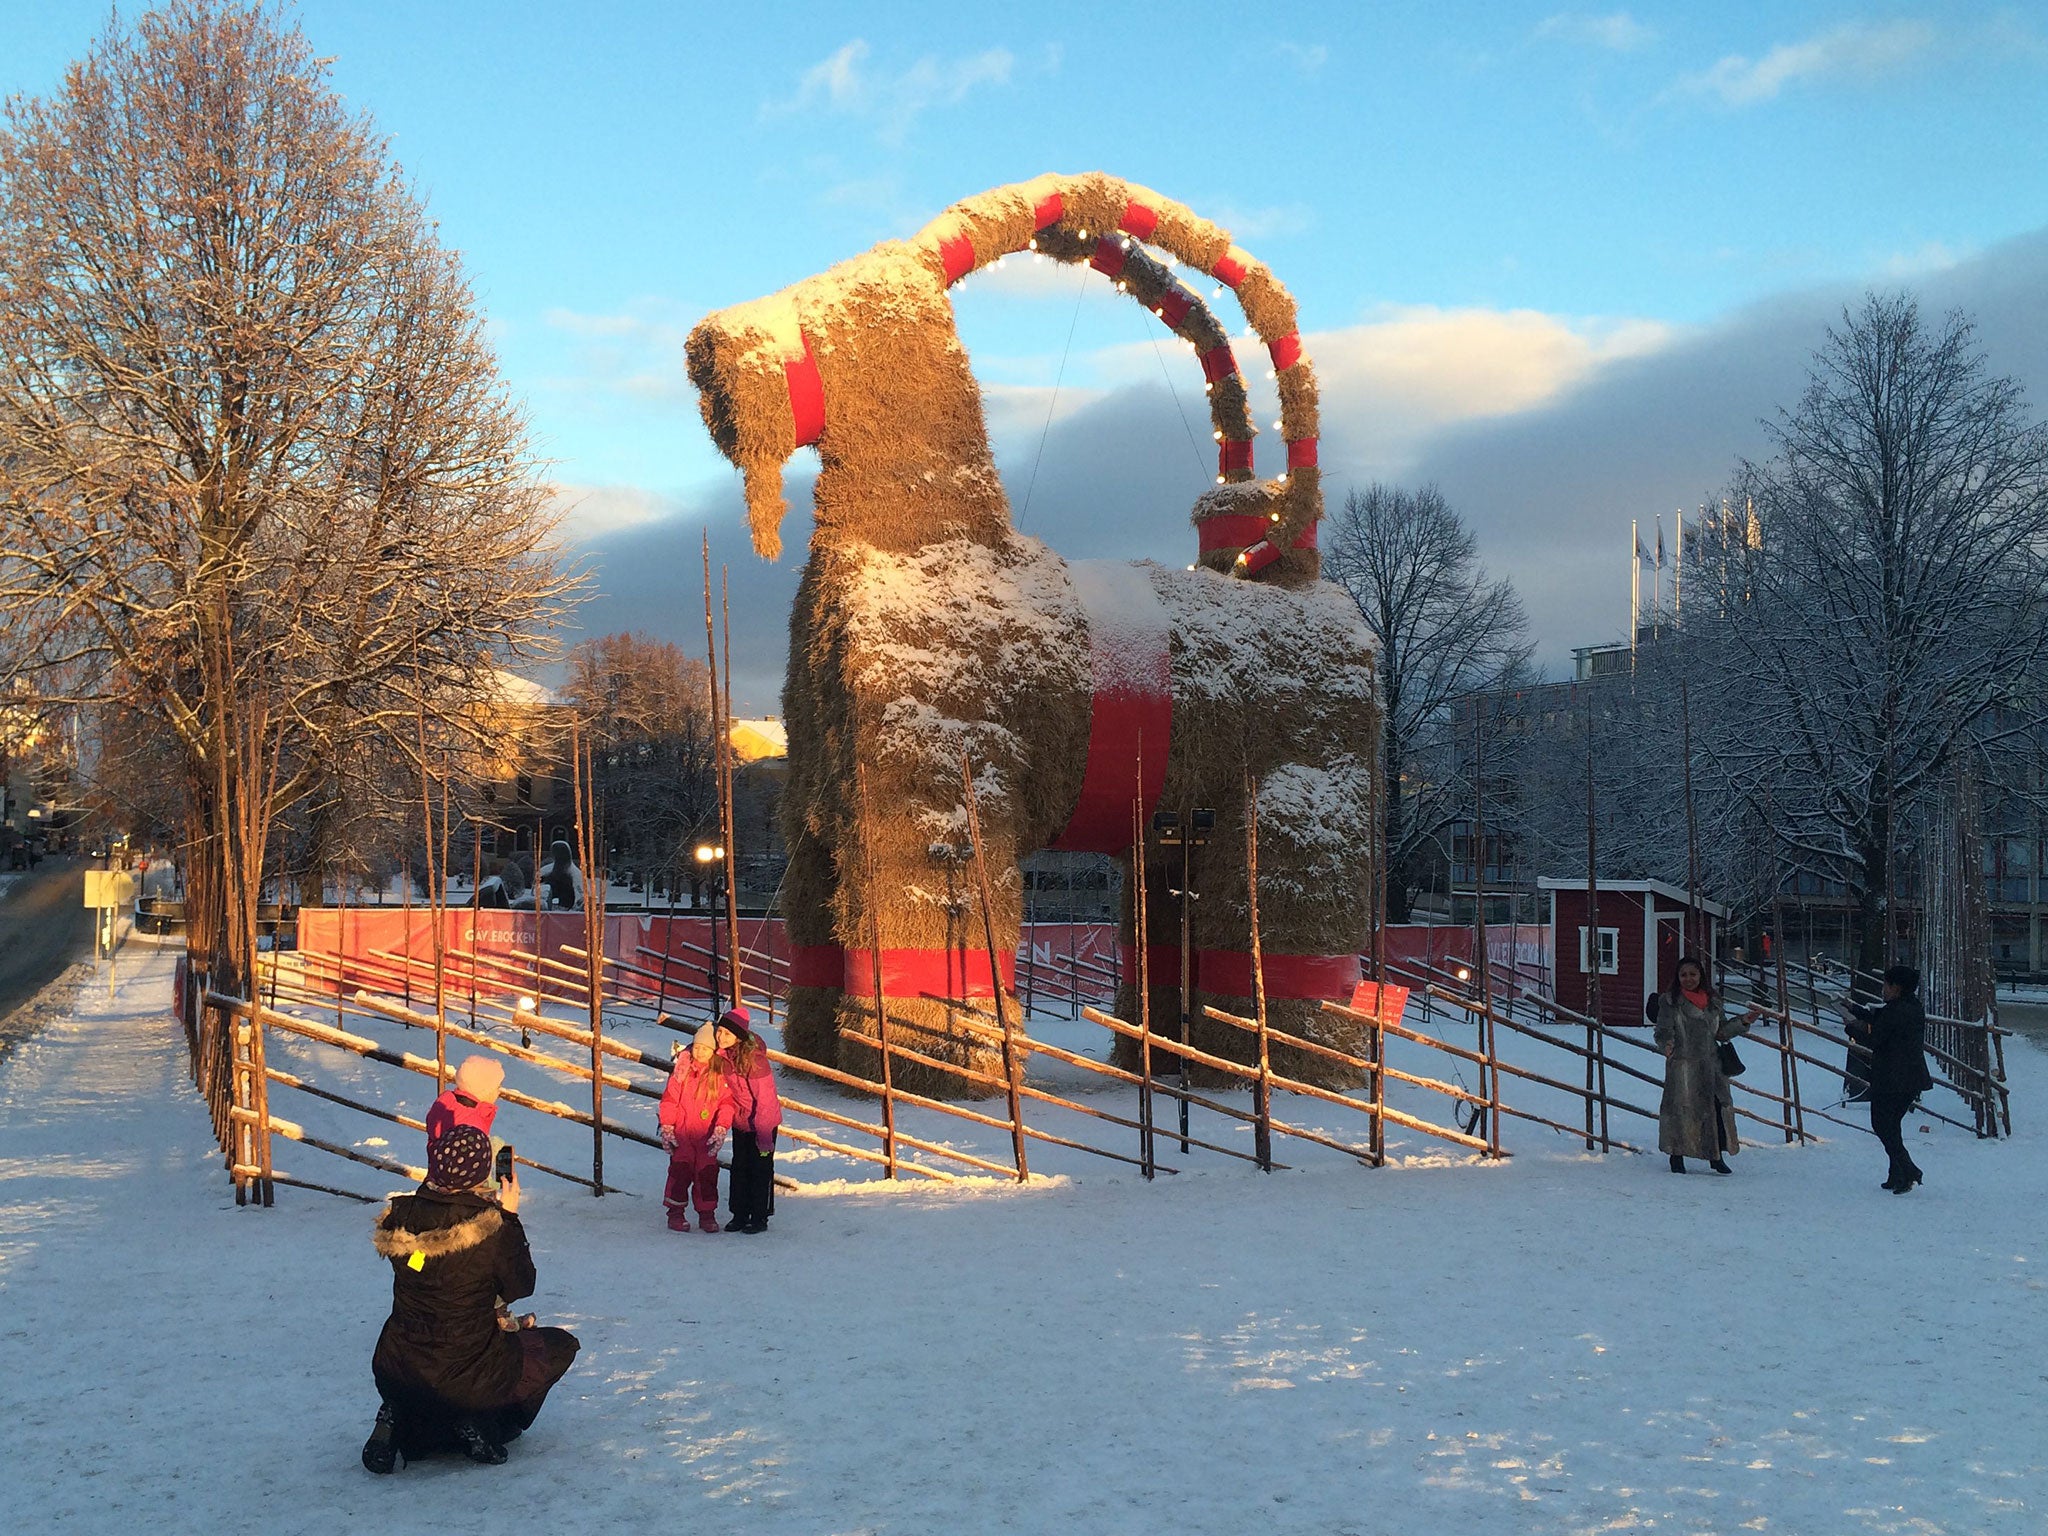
1217 435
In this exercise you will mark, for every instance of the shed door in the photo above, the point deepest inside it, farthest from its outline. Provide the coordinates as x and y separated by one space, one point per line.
1670 938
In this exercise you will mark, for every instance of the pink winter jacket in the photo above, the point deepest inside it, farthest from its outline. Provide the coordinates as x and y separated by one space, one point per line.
696 1104
453 1109
755 1108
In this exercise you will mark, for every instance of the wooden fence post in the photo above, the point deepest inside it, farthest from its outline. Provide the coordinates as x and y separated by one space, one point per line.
1012 1067
1262 1129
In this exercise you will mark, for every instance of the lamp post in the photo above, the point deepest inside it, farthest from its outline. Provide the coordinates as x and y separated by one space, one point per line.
1168 828
711 859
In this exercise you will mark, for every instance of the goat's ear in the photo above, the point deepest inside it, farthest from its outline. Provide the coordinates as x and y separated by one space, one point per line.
743 390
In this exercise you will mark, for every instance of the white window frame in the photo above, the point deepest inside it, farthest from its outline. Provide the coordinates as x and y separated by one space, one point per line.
1610 951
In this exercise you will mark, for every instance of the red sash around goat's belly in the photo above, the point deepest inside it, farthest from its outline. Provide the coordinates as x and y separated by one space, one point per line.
1228 972
1130 718
907 974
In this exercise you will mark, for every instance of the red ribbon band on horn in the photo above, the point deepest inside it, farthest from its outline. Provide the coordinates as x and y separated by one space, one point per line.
1301 453
1286 352
1109 257
1228 271
1232 455
957 252
1219 362
1049 211
1139 220
1174 305
907 974
1228 973
806 395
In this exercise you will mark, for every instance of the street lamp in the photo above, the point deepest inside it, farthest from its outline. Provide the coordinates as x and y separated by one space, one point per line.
711 859
1167 827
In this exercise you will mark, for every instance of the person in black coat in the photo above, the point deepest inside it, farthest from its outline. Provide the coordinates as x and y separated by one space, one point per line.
454 1370
1895 1034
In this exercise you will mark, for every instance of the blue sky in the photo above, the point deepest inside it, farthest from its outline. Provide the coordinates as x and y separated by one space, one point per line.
1489 213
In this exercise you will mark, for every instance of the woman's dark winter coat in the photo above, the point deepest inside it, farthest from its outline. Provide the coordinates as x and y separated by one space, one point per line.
1696 1094
442 1356
1896 1034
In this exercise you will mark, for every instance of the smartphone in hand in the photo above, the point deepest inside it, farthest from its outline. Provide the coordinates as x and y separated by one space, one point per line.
503 1169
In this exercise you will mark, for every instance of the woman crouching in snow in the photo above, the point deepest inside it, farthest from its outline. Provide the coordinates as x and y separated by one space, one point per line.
453 1374
696 1110
756 1112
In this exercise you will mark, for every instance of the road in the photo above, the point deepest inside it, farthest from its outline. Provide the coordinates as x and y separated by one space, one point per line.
43 928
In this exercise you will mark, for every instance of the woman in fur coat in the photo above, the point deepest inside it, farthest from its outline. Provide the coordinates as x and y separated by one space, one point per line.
1696 1117
455 1372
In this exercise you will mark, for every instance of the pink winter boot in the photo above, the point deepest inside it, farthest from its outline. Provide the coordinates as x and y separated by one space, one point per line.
707 1221
679 1218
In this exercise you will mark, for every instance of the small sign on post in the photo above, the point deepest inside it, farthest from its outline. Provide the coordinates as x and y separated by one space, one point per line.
107 891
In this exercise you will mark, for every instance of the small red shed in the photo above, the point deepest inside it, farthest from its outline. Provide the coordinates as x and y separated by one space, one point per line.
1644 926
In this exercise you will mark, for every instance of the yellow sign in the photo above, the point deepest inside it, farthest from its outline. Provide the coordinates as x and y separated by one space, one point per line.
109 888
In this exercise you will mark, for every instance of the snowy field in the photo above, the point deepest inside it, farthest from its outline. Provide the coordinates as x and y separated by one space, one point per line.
1560 1343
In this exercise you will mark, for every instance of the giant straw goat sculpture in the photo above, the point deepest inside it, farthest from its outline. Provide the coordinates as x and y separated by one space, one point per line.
1084 694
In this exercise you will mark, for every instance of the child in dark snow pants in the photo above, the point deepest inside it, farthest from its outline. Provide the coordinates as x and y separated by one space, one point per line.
756 1112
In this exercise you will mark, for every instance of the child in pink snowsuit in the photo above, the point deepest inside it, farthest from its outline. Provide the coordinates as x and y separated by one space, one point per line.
696 1110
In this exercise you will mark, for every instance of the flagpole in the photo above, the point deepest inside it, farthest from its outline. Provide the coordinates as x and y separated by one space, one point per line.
1635 586
1678 574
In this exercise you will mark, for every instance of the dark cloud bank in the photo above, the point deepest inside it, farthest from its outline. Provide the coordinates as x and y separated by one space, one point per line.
1550 491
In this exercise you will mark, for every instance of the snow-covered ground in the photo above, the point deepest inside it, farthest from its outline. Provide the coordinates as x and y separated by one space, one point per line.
1560 1343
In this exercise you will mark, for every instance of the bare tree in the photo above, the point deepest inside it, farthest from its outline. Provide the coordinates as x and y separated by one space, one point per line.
647 704
1442 628
259 478
1893 616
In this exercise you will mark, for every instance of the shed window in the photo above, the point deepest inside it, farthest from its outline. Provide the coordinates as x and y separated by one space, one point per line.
1610 951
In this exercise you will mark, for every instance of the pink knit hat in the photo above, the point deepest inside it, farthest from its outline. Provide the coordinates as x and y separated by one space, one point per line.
480 1077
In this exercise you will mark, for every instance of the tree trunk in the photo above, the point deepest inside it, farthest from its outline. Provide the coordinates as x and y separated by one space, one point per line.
1399 907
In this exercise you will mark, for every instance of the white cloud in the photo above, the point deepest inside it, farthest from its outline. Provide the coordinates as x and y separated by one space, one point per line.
1856 50
1309 58
1265 223
1618 32
1933 256
637 351
848 84
592 511
1410 371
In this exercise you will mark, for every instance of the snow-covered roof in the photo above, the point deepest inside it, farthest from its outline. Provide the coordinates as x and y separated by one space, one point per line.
511 688
1672 892
756 739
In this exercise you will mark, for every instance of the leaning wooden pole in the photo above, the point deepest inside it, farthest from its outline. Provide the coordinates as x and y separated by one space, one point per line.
1696 917
436 882
1481 960
593 945
728 817
1377 784
871 900
1596 1045
1262 1128
1013 1074
1141 932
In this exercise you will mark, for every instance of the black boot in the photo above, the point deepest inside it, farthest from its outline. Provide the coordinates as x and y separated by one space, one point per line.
1719 1166
484 1452
1677 1163
380 1451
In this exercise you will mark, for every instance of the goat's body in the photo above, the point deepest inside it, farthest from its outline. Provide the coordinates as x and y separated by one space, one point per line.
926 630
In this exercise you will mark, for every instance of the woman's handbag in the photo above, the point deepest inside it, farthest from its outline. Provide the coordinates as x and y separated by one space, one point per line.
1731 1064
